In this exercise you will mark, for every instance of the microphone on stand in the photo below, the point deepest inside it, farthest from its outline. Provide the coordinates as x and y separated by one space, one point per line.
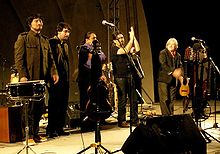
195 39
104 22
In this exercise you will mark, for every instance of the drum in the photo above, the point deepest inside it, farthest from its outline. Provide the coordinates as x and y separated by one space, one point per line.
28 89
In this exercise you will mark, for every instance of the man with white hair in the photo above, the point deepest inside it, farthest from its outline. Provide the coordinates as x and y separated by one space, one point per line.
170 71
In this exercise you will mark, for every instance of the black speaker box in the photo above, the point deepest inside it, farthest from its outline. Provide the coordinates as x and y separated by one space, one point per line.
177 134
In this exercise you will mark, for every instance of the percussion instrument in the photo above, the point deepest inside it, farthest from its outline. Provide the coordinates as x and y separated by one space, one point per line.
26 90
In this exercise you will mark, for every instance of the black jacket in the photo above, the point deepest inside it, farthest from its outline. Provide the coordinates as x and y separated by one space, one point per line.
167 65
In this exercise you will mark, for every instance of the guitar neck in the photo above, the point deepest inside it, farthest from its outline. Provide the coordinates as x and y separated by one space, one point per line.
185 68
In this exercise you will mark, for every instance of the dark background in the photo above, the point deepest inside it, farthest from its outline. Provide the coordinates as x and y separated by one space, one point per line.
182 20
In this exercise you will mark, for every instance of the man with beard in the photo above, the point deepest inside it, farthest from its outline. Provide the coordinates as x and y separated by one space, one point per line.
34 61
59 93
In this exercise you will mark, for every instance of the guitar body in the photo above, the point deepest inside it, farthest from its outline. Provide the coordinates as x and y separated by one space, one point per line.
99 101
184 88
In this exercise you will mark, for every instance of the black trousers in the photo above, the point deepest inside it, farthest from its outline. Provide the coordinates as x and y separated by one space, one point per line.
57 106
126 87
35 109
167 96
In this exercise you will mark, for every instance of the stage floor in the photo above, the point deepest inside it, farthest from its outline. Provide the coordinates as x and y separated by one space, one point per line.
112 137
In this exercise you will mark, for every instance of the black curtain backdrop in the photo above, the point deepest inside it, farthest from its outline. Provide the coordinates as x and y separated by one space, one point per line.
182 20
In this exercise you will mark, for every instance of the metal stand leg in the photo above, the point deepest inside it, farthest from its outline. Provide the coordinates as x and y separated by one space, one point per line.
26 147
95 97
97 145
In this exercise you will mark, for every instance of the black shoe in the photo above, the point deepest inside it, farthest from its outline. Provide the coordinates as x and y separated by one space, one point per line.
123 124
62 133
135 124
39 139
52 135
83 129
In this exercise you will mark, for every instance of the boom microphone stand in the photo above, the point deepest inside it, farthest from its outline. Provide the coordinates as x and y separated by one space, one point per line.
97 145
215 125
196 98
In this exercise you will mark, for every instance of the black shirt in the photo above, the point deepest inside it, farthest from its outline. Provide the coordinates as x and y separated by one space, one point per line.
120 63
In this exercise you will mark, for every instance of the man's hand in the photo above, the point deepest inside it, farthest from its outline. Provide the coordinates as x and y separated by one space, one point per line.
131 34
23 79
103 77
55 78
177 73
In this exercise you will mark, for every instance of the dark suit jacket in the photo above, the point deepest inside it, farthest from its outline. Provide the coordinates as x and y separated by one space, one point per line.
61 57
167 65
24 48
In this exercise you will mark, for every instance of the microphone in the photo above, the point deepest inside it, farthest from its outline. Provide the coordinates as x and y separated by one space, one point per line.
85 119
195 39
104 22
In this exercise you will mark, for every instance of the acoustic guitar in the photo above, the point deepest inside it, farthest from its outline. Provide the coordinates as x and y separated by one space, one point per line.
184 88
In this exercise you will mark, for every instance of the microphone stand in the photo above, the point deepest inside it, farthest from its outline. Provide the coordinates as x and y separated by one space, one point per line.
196 99
142 73
215 125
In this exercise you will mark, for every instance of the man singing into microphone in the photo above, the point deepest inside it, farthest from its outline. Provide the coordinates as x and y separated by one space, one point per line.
85 55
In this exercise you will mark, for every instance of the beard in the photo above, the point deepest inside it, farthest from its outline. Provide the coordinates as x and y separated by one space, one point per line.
37 28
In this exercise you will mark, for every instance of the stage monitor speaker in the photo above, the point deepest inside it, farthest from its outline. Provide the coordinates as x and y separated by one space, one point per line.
10 124
177 134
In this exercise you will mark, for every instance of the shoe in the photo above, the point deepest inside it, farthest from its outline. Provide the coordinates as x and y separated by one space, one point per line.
84 129
124 125
30 142
62 133
135 124
51 135
39 139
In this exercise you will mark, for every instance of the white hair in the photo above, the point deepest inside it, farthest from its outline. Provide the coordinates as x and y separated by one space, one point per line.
172 41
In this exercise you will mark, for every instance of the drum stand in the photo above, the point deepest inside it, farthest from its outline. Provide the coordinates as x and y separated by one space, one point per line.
26 147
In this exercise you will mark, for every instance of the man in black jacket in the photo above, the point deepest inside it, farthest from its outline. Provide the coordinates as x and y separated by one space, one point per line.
59 93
